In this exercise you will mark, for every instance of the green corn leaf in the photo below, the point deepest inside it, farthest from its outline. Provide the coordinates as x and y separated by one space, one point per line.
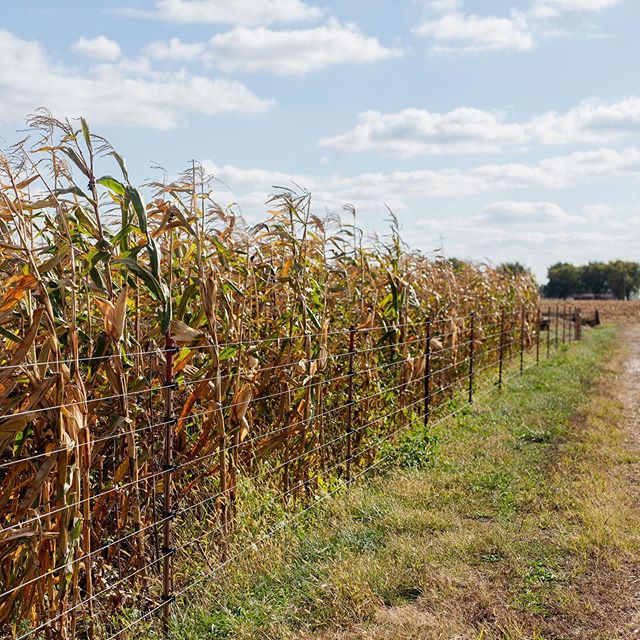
86 134
111 183
138 207
153 286
122 164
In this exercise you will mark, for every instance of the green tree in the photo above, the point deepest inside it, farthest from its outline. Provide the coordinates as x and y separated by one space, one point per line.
513 268
564 280
595 277
623 278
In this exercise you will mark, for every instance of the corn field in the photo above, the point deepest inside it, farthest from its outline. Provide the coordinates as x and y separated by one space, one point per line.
161 362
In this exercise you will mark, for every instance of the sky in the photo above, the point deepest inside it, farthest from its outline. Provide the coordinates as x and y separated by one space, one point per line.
495 130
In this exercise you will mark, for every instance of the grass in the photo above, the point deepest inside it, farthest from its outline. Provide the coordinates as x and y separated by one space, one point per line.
518 525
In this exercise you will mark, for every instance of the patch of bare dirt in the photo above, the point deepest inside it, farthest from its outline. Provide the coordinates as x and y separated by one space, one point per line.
629 395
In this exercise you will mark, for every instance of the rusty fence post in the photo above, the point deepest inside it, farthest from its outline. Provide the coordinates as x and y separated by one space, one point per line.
427 374
564 324
168 468
349 452
557 321
548 332
522 340
471 354
501 350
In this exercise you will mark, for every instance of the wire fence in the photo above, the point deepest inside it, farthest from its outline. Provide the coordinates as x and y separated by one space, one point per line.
189 460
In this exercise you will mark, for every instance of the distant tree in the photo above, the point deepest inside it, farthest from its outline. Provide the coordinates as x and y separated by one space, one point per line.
619 277
623 278
595 277
513 268
564 280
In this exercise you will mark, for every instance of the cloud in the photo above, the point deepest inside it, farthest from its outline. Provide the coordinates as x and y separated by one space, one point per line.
445 5
100 48
417 131
126 93
525 213
596 212
411 132
562 171
590 121
250 187
286 52
233 12
552 8
294 52
174 49
536 246
462 33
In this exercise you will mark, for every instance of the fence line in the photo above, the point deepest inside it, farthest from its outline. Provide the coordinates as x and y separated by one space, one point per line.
330 422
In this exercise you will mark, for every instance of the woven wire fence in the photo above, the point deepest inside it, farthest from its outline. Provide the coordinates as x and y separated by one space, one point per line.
97 524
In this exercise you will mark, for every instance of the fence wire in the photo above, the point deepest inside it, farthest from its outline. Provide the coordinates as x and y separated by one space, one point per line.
184 447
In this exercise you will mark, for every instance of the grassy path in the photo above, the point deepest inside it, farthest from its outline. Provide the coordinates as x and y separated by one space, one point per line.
521 522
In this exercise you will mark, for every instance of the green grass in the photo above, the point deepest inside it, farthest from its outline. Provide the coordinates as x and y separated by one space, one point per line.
493 527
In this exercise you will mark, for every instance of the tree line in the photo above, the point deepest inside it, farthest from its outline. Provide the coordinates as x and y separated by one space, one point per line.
619 278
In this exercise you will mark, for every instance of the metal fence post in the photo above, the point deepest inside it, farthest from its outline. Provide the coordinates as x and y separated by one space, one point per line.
538 323
564 323
522 340
471 354
572 326
427 374
349 452
548 332
579 323
557 321
168 468
501 351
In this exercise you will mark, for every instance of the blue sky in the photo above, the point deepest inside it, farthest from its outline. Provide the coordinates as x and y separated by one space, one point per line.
496 130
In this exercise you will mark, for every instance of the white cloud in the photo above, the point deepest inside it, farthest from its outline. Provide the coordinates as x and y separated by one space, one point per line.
126 93
294 52
100 48
596 212
562 171
174 49
552 8
525 213
458 32
468 130
233 12
445 5
416 131
250 187
590 121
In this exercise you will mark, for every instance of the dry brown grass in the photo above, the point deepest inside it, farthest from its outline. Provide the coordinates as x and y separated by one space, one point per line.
622 312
